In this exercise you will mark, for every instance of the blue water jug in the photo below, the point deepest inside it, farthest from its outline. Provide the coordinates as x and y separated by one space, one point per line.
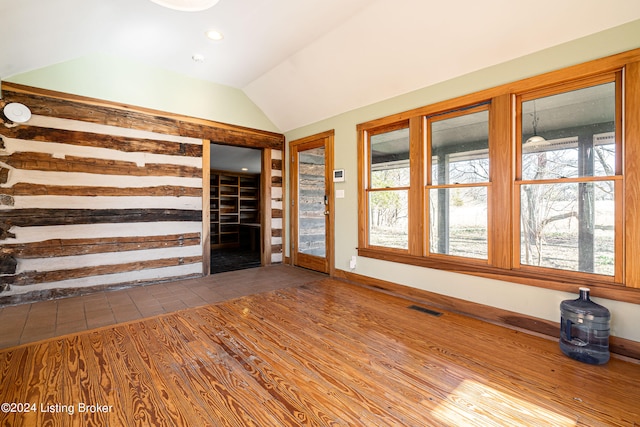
584 329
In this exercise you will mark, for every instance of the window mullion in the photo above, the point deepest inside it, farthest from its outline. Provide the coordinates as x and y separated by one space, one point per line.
500 196
416 193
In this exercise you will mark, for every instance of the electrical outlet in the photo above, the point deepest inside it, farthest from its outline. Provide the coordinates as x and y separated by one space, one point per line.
352 263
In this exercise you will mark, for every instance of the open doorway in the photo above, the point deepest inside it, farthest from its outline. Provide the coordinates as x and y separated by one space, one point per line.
235 217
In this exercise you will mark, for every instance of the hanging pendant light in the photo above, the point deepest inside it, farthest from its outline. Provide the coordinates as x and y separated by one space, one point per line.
187 5
535 139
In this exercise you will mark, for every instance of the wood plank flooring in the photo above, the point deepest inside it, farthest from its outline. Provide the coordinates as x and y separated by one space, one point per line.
320 354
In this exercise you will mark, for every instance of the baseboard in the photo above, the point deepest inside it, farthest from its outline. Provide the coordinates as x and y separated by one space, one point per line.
529 324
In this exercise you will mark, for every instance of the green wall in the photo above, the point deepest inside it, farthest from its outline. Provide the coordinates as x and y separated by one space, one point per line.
128 82
529 300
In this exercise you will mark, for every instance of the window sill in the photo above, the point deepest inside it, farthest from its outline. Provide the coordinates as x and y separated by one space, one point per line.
556 281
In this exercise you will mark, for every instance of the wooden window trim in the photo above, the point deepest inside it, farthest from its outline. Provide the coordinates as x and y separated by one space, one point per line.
607 77
364 176
427 183
625 286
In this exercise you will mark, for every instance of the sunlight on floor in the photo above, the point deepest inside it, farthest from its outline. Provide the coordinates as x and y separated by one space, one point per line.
473 403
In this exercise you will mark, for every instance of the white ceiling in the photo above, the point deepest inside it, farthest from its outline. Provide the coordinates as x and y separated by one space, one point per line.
302 61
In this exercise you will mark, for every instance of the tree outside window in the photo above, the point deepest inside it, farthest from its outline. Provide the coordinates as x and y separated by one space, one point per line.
388 190
567 197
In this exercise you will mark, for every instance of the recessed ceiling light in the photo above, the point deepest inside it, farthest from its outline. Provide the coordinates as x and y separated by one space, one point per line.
214 35
245 169
187 5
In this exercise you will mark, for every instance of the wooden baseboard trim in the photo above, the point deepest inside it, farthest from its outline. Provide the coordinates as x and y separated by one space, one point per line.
529 324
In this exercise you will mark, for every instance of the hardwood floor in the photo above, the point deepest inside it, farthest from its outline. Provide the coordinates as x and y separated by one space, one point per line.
323 353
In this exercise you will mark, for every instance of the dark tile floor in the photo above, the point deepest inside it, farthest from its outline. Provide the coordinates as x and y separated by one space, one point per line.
232 259
32 322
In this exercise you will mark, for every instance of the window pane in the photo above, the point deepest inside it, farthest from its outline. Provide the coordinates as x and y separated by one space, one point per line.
460 149
571 134
458 221
390 159
388 221
569 226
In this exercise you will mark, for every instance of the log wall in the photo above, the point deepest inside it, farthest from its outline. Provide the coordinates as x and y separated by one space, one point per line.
276 206
93 196
86 205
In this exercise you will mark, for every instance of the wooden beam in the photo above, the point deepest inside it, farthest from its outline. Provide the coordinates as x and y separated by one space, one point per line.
45 217
37 277
26 189
50 163
98 140
56 104
74 247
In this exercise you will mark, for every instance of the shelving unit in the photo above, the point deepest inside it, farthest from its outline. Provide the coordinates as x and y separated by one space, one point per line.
235 201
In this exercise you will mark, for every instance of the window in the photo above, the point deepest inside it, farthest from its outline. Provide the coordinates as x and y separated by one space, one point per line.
526 182
458 183
568 178
389 180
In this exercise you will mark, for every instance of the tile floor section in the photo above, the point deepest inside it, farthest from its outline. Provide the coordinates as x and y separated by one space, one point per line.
32 322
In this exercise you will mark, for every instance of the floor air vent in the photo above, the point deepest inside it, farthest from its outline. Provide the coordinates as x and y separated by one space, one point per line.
425 310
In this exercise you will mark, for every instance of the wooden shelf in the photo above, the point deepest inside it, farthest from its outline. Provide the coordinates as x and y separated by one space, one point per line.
235 200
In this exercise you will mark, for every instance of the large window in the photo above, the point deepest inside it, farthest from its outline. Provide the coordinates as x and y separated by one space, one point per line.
458 147
536 182
567 179
389 181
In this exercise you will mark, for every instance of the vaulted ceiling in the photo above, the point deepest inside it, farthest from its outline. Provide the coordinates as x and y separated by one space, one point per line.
301 61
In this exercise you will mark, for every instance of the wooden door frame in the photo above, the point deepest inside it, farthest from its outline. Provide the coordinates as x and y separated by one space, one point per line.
328 136
206 212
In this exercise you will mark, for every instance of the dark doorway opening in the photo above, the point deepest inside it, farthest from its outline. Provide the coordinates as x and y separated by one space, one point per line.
235 208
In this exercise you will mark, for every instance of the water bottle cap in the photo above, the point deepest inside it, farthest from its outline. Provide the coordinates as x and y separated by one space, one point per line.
585 289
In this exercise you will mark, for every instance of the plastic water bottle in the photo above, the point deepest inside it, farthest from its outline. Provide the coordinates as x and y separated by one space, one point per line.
584 329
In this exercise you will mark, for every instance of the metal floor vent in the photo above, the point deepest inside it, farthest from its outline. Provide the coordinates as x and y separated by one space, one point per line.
425 310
